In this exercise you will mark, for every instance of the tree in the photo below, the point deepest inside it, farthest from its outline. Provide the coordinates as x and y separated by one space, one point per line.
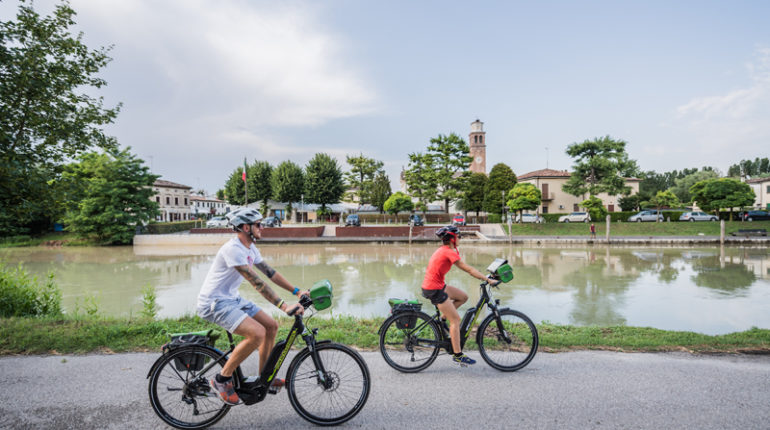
48 113
599 166
682 185
747 168
398 202
665 199
630 203
260 185
234 187
110 194
360 178
524 197
420 178
288 183
451 162
722 193
221 194
595 208
501 180
473 196
323 181
380 190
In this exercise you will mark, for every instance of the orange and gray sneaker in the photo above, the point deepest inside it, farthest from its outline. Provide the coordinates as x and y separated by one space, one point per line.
226 391
276 385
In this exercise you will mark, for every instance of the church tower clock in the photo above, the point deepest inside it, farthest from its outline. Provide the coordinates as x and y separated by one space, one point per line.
477 143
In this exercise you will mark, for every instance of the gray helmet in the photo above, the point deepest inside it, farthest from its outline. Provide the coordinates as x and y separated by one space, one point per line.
242 216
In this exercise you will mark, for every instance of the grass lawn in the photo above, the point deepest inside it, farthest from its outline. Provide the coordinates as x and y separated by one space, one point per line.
633 228
67 335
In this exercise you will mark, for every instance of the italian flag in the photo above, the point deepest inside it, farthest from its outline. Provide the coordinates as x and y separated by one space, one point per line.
243 176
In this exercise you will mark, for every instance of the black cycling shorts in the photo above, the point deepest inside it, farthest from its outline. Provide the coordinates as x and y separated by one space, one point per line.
436 297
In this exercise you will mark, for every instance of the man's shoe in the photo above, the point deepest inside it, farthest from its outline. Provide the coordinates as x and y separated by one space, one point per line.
226 391
463 360
276 385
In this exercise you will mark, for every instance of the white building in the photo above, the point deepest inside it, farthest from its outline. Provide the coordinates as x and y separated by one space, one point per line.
202 206
761 187
173 200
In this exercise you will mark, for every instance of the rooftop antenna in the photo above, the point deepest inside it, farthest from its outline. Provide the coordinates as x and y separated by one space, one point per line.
546 157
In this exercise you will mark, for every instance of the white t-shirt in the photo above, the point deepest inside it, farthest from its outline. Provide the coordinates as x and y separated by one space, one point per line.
223 280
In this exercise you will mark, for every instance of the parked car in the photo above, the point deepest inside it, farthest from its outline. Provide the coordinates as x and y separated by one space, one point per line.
416 220
217 222
755 215
575 217
353 220
697 216
271 221
458 219
650 215
529 218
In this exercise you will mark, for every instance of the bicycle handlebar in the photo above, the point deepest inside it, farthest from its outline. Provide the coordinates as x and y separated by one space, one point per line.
305 301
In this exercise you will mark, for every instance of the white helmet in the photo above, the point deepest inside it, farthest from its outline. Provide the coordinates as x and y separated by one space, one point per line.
243 216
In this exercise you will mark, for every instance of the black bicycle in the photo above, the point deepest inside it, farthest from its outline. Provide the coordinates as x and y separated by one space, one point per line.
410 340
327 383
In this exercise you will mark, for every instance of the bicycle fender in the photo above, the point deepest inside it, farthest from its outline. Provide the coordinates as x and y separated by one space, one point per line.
163 355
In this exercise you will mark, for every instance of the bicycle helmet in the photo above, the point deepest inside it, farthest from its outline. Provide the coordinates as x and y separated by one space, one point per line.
448 231
242 216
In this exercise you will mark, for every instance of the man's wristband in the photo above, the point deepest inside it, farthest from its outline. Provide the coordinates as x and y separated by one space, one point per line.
280 304
296 290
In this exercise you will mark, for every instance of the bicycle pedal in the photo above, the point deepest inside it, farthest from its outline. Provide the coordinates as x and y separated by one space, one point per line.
274 390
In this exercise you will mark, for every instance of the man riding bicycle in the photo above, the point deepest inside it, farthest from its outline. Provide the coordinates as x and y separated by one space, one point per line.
446 297
220 303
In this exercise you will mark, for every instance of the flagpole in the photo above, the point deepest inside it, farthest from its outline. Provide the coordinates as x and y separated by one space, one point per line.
245 184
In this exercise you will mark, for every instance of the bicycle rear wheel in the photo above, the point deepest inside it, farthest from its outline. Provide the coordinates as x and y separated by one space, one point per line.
340 397
409 341
181 395
508 347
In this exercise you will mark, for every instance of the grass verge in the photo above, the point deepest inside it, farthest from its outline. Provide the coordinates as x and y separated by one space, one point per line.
99 335
633 228
53 239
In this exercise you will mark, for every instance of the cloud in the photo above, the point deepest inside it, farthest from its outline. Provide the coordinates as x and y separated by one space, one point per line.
217 79
735 119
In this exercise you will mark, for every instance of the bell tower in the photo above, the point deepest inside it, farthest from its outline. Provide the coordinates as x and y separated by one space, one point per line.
478 145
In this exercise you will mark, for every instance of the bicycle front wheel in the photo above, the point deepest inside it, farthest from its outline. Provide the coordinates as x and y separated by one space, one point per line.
332 397
181 395
510 343
409 341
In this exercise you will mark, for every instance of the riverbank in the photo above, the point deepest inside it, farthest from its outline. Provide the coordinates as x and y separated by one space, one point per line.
27 336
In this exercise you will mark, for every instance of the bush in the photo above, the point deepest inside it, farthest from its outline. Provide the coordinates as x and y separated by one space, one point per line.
494 218
621 216
21 294
168 227
551 217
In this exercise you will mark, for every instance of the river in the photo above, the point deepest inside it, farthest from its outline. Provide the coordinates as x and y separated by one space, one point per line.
709 290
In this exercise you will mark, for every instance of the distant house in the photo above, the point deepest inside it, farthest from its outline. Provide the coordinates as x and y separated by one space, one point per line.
554 200
173 200
761 187
202 206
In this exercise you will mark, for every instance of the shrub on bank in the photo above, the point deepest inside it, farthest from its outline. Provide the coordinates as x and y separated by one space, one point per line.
21 294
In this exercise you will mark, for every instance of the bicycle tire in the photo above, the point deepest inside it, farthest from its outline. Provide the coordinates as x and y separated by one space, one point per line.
349 390
175 394
409 350
504 355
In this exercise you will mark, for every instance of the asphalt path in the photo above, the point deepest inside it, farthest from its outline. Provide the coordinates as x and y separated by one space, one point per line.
576 390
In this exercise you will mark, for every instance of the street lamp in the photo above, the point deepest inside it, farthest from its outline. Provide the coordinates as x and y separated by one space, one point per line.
302 215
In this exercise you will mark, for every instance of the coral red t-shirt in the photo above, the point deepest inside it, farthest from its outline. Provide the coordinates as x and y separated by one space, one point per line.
438 266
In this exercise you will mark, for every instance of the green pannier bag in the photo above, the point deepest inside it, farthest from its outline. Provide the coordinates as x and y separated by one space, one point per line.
321 294
501 270
398 306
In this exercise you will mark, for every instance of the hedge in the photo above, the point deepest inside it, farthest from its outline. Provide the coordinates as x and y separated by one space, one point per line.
168 227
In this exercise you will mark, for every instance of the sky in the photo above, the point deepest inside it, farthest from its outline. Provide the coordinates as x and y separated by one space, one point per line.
204 84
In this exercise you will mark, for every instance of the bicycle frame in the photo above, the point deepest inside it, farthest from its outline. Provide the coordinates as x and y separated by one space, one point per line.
255 390
471 316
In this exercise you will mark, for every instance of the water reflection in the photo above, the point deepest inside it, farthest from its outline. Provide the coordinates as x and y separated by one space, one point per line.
670 288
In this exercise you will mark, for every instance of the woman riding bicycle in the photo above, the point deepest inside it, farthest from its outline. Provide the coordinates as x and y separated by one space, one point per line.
446 297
